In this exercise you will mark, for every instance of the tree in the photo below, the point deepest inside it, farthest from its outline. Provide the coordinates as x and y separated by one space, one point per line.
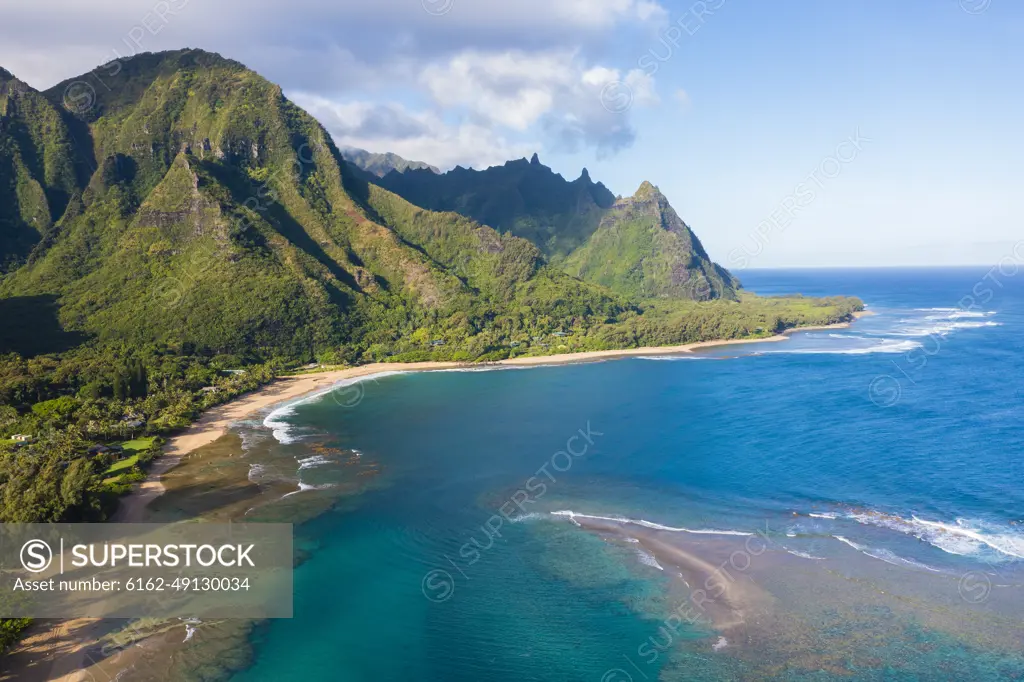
79 479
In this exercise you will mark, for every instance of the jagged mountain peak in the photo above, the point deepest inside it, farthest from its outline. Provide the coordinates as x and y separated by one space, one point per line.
647 190
12 85
380 164
522 197
643 249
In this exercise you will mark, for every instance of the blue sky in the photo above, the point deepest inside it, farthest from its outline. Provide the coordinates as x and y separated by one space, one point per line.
785 133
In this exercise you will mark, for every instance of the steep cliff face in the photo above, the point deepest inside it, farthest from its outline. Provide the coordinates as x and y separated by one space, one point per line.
522 198
643 249
41 168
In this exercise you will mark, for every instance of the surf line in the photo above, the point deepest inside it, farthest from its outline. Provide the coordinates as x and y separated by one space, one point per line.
514 509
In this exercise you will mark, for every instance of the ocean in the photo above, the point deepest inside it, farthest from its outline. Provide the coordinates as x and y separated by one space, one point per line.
846 504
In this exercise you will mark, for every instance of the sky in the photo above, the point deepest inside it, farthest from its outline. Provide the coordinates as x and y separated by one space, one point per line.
786 134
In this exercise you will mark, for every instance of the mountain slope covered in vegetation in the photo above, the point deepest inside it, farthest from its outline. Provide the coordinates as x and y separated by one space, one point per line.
642 249
41 168
380 164
637 247
522 198
222 215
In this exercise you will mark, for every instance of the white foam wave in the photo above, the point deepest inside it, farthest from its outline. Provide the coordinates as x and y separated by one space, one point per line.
955 312
277 420
648 559
941 329
674 358
250 438
532 516
849 542
896 560
822 515
303 487
190 627
805 555
645 523
964 537
886 556
311 462
886 346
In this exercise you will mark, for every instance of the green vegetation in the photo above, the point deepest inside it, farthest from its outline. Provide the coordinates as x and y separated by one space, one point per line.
68 404
11 629
382 164
637 246
643 250
522 198
40 168
126 463
135 446
135 452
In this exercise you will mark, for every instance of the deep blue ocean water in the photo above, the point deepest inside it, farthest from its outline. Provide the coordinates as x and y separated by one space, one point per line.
883 461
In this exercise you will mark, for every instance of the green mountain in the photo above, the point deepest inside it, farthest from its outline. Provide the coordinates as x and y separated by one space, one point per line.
522 198
642 249
41 168
219 214
637 247
382 164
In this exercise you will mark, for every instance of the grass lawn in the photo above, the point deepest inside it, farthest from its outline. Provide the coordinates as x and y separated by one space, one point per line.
132 448
122 465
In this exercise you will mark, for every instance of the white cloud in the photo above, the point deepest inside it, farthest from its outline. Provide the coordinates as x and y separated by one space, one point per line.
507 73
683 98
419 136
513 89
555 89
604 13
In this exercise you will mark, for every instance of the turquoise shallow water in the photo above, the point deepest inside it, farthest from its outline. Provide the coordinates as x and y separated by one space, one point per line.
883 461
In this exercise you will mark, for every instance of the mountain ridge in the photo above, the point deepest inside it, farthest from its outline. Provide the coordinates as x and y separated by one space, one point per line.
578 225
521 197
380 164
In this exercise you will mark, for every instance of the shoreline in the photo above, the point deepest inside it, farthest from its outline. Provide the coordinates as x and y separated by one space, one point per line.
215 422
